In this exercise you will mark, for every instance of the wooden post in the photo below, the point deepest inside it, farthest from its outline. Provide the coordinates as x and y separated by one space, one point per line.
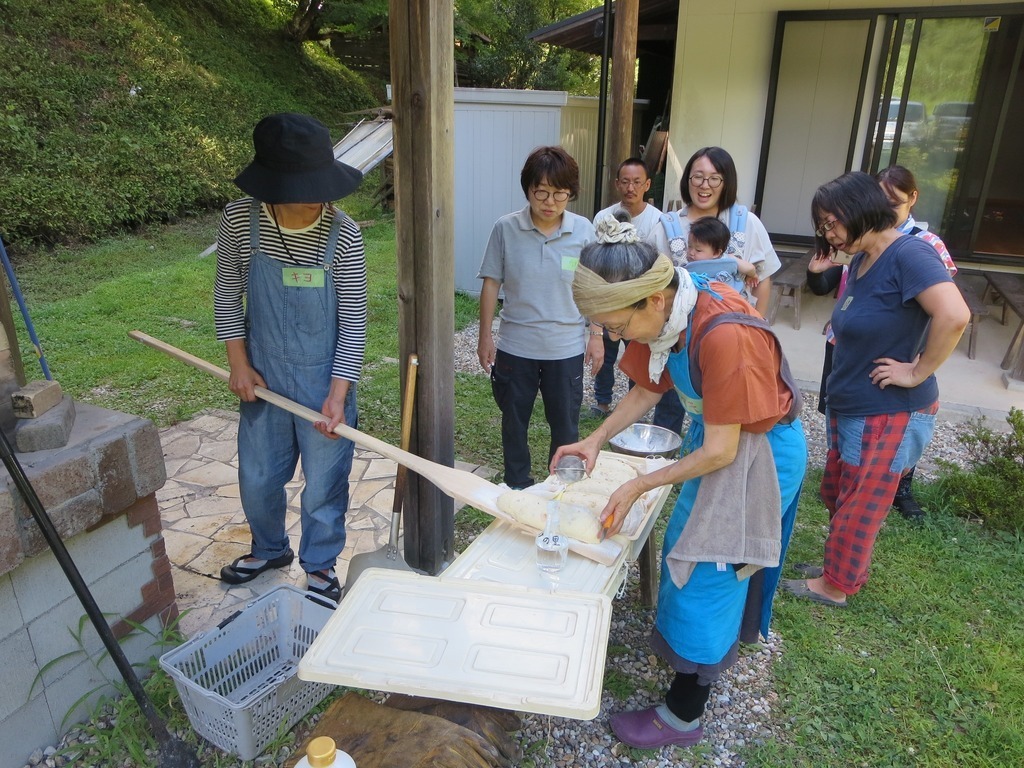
620 131
423 101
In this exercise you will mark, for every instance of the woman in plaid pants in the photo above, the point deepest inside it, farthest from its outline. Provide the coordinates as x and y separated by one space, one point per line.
897 321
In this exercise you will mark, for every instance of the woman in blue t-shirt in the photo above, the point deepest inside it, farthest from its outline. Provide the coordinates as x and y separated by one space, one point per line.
898 319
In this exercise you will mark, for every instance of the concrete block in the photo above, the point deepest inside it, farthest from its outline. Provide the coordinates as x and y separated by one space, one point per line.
147 458
11 552
36 398
19 671
8 386
60 476
67 692
40 584
26 730
70 519
54 633
114 472
10 613
51 430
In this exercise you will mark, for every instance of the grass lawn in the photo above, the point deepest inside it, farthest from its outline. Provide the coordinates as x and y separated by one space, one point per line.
925 668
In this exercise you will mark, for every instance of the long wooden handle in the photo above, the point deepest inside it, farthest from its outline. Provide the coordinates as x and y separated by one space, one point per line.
407 405
458 483
429 469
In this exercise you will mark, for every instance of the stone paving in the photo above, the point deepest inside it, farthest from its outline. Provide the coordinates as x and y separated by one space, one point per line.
204 528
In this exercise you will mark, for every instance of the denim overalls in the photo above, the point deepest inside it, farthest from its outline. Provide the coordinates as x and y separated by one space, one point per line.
291 334
701 621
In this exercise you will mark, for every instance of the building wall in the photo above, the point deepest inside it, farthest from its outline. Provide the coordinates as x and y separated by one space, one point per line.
56 667
722 66
494 132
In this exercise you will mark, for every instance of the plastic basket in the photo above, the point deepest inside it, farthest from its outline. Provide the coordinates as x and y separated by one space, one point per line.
238 682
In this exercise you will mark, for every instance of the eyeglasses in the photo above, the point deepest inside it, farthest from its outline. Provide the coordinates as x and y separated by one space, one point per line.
826 226
541 195
714 182
630 184
621 330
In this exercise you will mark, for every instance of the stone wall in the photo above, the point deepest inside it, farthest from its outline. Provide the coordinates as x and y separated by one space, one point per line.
100 492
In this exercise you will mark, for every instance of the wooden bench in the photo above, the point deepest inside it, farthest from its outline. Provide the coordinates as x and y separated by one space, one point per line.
788 283
978 309
1010 290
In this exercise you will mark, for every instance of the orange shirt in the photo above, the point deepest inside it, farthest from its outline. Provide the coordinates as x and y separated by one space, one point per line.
739 364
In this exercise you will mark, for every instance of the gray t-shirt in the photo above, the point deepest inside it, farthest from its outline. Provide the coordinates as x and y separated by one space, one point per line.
539 320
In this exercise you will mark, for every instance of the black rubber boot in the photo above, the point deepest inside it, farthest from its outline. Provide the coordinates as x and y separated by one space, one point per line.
904 500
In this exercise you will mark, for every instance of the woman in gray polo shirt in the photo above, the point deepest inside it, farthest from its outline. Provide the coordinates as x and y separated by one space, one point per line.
543 340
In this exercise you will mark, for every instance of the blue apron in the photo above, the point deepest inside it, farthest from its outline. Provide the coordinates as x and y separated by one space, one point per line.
701 621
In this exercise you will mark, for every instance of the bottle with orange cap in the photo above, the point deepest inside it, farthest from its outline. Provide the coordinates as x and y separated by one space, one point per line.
321 752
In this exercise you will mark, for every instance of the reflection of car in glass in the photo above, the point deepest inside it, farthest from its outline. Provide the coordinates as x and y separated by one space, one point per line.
950 121
914 123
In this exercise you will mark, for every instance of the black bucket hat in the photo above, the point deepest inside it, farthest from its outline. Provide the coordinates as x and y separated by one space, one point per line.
295 163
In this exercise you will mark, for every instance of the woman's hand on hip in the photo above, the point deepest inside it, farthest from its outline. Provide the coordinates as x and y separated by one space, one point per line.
888 371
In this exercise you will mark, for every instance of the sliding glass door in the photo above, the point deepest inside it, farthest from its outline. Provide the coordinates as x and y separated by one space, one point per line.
935 90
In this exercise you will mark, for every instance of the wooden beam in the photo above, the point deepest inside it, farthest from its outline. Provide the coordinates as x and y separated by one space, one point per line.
422 77
620 129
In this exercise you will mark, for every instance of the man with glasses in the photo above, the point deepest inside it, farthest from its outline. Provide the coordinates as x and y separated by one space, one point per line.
543 341
632 182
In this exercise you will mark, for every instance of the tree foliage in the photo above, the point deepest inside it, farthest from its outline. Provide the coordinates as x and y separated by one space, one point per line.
491 43
508 59
320 20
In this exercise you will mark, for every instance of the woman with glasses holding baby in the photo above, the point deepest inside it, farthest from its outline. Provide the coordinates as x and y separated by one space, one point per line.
708 188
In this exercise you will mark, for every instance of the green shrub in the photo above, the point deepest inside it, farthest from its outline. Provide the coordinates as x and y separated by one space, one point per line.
992 487
116 113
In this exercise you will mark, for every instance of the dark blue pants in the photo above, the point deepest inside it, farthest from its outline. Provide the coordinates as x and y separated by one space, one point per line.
604 381
669 412
515 382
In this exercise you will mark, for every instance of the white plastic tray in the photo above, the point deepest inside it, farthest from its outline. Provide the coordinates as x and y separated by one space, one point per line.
498 645
504 554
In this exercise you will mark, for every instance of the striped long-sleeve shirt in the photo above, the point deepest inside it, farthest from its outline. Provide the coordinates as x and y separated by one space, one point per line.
304 248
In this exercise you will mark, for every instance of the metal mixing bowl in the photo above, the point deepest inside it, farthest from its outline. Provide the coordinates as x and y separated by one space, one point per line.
646 440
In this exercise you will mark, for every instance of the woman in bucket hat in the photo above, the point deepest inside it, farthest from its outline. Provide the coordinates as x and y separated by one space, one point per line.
290 305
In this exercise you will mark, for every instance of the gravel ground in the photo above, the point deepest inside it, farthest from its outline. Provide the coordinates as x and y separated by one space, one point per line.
741 703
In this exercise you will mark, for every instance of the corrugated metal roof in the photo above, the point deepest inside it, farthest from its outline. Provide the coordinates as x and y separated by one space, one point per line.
367 145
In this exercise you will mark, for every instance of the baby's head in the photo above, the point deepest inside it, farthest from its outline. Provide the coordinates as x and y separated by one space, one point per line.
708 239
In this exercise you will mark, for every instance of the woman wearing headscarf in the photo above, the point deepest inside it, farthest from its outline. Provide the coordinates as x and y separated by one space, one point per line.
741 474
290 305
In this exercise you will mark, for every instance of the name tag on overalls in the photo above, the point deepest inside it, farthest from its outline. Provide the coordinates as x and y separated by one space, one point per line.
302 277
